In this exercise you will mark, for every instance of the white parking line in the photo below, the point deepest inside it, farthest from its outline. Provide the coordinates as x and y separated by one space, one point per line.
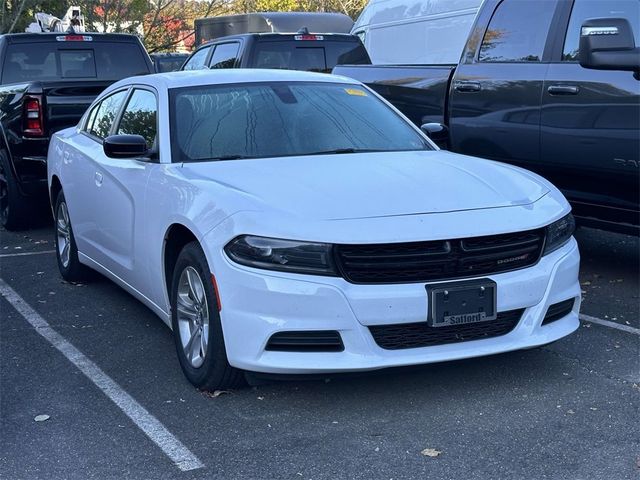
24 254
183 458
607 323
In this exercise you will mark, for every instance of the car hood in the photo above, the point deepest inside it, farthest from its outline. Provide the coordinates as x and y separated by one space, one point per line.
369 185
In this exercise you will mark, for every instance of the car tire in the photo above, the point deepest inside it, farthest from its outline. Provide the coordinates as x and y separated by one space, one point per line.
14 207
66 250
197 330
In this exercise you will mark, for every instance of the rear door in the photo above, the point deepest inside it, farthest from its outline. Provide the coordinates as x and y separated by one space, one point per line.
119 191
591 121
494 106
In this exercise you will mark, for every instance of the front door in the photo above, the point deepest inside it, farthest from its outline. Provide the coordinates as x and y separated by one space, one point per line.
590 126
495 95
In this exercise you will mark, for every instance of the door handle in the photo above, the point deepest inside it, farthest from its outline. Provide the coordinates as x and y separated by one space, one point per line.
98 178
563 90
467 87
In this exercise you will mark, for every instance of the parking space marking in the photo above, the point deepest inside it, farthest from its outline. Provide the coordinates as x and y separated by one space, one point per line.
24 254
181 456
607 323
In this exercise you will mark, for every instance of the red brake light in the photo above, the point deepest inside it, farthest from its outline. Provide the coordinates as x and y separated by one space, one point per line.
308 37
74 38
33 117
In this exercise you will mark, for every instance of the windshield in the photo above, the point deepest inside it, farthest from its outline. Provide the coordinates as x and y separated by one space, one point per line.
218 122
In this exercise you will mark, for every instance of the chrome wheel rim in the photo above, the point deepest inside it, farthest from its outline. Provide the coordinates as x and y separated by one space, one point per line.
63 234
193 316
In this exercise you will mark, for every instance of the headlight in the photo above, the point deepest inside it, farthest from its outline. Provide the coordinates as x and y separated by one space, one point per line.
282 255
559 233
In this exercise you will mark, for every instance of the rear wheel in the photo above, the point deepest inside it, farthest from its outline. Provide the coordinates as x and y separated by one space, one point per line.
14 207
66 251
197 329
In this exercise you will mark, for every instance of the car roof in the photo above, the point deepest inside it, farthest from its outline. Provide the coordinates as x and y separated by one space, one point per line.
194 78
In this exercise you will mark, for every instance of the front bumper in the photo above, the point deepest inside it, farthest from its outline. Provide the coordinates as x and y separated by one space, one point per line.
256 304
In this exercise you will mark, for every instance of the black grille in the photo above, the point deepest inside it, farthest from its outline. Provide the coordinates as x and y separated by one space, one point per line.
310 341
439 260
416 335
558 310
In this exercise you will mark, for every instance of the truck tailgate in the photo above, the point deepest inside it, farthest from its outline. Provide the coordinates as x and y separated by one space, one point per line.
65 103
420 92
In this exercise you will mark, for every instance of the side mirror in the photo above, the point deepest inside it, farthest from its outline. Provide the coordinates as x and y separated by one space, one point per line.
608 44
437 132
125 146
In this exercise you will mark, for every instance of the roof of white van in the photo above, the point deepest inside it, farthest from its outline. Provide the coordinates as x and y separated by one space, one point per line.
388 11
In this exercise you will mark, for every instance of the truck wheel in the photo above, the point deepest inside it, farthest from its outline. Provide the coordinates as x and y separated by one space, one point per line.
13 205
197 329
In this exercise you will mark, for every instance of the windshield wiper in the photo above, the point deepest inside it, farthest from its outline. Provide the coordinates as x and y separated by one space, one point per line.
339 151
225 157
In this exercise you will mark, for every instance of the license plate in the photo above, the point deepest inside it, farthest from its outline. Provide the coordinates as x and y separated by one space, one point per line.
460 303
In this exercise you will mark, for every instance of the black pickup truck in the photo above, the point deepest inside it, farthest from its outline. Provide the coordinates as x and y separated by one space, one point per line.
549 85
47 80
292 51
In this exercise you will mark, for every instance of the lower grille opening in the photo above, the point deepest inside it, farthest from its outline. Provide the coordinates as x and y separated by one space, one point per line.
417 335
309 341
558 310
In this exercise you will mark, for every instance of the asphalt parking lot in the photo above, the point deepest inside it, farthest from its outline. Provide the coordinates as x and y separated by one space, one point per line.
565 411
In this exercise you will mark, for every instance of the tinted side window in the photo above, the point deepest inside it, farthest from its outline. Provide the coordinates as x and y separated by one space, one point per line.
196 62
224 56
586 9
517 31
106 114
345 53
139 116
91 118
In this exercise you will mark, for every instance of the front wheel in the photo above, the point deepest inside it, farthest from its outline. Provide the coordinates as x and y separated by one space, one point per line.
197 329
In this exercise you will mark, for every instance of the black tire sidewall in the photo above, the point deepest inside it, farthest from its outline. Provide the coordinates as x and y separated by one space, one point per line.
215 367
16 215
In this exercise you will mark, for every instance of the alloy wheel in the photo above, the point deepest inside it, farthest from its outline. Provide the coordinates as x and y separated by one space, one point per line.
193 316
63 233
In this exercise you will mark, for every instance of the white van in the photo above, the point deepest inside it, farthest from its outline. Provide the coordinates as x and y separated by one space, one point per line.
416 32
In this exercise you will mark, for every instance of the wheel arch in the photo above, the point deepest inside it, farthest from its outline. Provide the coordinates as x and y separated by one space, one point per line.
176 237
54 189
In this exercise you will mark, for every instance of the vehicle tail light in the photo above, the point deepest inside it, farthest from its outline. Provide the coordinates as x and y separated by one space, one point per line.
33 125
308 37
74 38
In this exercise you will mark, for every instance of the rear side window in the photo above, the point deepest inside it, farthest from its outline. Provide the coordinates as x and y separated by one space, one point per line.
100 123
196 62
62 60
586 9
139 117
518 31
224 56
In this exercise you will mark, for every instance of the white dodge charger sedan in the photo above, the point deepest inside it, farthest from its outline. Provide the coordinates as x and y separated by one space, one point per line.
290 222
